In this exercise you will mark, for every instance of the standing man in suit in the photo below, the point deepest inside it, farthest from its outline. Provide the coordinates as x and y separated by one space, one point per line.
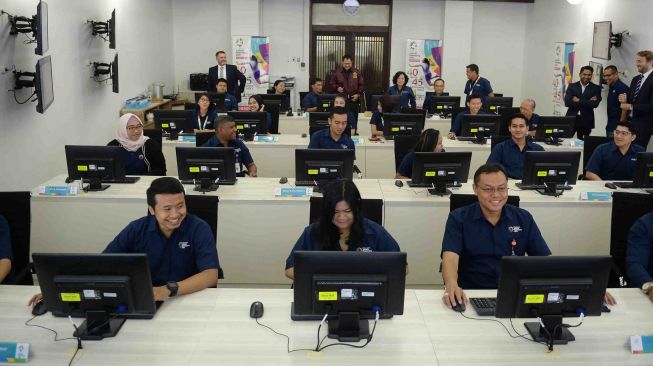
616 88
235 79
348 80
638 103
580 99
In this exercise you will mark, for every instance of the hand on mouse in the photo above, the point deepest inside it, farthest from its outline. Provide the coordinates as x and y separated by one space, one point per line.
35 299
454 295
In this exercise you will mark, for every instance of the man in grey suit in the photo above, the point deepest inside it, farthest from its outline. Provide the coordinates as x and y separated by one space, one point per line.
580 99
638 103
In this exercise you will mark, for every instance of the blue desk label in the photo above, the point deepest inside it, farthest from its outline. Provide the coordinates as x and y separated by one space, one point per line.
11 352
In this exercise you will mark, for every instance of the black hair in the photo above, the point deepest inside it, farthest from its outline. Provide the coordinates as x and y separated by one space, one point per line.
475 96
629 125
324 231
473 67
314 80
219 52
163 185
258 100
387 103
397 74
519 115
221 80
337 110
204 94
220 121
276 82
438 79
428 140
340 95
346 57
587 67
488 169
611 67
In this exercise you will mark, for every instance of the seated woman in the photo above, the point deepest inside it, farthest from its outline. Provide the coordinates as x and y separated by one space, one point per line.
141 155
256 105
341 101
205 113
429 141
384 105
280 89
342 227
400 88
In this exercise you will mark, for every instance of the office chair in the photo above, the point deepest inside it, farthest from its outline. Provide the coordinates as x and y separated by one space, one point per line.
460 200
202 137
403 145
590 144
154 134
497 140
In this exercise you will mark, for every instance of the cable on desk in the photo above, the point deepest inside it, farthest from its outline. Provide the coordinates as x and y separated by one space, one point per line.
506 328
287 339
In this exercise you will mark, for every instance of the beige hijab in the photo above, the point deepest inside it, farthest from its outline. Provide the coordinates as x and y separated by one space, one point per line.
123 137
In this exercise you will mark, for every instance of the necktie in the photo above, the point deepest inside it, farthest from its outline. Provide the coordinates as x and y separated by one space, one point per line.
637 87
221 72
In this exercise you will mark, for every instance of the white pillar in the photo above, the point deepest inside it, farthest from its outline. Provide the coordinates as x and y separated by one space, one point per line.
457 46
245 17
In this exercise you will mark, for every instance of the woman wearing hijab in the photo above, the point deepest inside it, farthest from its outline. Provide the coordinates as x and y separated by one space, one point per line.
141 155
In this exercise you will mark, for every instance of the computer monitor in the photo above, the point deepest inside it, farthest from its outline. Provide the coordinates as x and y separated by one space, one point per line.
43 85
349 287
250 124
396 101
106 289
643 177
440 170
506 117
480 127
494 104
203 137
550 171
316 167
551 287
403 124
551 128
96 165
274 99
320 121
442 105
41 28
114 75
173 122
112 30
216 99
206 167
325 102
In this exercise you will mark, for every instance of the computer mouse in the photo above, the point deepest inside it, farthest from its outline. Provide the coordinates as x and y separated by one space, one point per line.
256 310
399 183
459 307
303 135
39 308
610 185
374 138
283 180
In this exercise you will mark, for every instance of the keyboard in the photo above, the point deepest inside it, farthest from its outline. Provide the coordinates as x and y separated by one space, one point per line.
484 306
466 138
627 185
125 180
541 186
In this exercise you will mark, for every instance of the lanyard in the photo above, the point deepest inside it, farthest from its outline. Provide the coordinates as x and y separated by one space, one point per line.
472 88
199 120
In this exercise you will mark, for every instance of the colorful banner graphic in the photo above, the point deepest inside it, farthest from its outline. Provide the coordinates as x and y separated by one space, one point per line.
423 65
563 71
252 57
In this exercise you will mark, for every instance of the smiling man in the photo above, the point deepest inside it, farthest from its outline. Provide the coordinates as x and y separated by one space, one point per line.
615 160
580 99
477 236
511 153
333 137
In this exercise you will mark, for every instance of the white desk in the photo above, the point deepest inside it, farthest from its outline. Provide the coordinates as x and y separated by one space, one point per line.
213 327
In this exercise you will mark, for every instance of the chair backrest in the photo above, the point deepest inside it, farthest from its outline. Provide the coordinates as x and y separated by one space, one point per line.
302 95
202 137
372 209
206 208
15 207
154 134
454 112
589 145
273 109
190 106
403 144
497 140
626 209
460 200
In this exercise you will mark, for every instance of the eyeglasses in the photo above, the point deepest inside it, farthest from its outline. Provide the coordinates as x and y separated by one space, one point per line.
490 190
134 128
622 133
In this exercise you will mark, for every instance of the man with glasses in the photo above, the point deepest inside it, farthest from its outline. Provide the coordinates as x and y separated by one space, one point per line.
511 153
477 236
616 87
615 160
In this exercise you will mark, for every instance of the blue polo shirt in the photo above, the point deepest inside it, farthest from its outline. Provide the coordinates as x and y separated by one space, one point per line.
322 140
614 107
406 165
243 156
481 87
376 239
407 95
639 258
377 120
206 122
190 249
507 153
230 102
134 162
532 123
5 249
481 245
608 163
310 101
457 125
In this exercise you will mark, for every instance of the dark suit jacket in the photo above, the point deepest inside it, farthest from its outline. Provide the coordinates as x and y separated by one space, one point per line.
643 106
235 80
585 105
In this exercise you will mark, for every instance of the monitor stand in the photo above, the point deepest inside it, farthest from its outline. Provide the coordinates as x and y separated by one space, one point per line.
552 323
98 325
553 140
553 189
206 185
95 185
349 327
439 189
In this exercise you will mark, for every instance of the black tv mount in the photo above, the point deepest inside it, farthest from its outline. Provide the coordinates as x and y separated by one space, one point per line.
99 28
22 24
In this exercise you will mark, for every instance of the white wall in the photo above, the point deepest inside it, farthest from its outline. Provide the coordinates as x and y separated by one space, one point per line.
32 144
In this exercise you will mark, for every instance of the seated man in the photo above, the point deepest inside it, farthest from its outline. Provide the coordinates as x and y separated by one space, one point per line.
475 106
615 160
333 137
230 102
510 153
180 247
639 254
309 104
342 227
6 258
438 90
527 108
226 136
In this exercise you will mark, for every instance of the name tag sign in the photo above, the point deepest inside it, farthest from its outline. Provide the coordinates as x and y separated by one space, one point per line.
576 143
596 196
11 352
58 191
186 138
266 138
295 192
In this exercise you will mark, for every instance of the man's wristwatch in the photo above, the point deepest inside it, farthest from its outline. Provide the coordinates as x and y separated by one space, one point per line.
647 287
173 287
